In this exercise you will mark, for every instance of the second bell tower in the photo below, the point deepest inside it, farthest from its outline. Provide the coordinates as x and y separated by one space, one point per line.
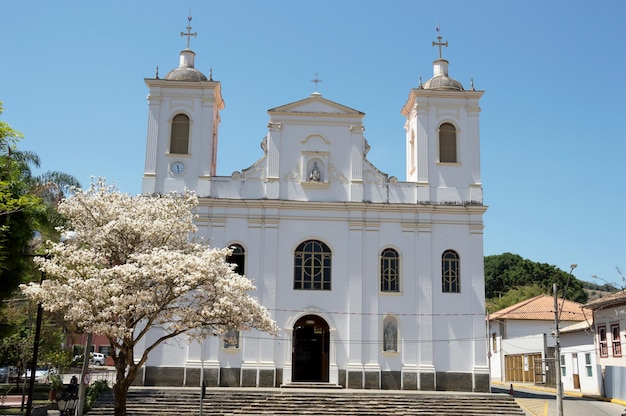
183 121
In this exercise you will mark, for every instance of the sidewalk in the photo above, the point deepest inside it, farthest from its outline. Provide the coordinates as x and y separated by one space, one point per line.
552 390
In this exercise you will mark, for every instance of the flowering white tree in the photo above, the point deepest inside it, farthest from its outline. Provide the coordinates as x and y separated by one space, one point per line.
132 266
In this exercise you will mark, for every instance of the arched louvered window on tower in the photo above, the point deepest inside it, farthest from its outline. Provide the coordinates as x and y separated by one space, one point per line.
450 272
238 257
312 266
389 270
179 139
447 143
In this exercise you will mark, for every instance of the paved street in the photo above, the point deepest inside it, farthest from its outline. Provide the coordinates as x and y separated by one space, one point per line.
542 402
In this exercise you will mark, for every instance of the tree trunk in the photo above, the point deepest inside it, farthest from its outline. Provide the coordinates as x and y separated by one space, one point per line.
120 391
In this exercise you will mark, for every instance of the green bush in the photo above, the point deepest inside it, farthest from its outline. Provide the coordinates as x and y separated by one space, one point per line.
93 392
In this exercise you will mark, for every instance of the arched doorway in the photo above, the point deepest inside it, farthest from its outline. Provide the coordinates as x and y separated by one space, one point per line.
311 342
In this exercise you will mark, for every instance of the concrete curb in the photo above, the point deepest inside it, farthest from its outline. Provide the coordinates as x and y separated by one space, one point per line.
553 391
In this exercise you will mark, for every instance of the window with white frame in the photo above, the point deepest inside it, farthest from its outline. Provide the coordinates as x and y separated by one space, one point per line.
450 279
447 143
312 266
602 343
238 257
616 342
588 364
179 137
389 270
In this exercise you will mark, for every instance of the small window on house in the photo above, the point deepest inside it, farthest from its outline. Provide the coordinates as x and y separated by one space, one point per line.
563 368
617 343
494 342
105 349
312 266
179 139
588 364
602 343
447 143
389 271
238 257
450 272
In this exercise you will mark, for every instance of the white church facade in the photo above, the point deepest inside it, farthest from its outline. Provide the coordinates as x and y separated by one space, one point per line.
375 283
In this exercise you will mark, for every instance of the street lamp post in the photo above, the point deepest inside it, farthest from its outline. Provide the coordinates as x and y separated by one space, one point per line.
33 245
33 365
557 336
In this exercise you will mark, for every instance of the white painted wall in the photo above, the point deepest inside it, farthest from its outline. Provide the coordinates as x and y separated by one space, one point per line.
272 206
577 348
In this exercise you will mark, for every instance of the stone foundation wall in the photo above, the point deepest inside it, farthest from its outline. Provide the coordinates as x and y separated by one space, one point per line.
250 377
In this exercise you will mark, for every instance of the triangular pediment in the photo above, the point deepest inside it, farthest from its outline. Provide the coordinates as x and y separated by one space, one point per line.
316 104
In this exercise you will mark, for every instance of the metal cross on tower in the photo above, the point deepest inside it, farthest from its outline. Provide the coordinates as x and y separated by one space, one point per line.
189 34
439 43
316 81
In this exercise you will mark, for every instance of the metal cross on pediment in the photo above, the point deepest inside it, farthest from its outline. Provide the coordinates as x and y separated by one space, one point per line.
189 34
316 81
439 43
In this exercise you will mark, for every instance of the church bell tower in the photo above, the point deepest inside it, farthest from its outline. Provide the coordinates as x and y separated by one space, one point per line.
183 121
443 138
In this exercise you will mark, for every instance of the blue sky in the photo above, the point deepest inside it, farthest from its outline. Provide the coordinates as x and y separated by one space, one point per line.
553 135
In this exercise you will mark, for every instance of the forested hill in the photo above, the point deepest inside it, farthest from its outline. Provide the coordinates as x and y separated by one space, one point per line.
510 278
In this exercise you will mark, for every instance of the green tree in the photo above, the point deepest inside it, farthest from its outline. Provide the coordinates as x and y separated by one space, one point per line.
513 296
507 271
27 203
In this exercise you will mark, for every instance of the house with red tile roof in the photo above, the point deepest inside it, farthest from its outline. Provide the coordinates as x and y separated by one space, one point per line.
609 313
522 345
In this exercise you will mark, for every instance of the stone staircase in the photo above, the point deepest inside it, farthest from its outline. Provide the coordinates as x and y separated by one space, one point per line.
230 402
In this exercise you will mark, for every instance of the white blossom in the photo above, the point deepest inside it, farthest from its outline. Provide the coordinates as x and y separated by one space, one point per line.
131 264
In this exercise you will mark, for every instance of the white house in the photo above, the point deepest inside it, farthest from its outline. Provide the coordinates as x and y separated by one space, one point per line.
608 317
580 370
522 345
374 282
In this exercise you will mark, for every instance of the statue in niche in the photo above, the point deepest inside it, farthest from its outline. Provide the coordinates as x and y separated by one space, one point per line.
231 338
390 338
315 175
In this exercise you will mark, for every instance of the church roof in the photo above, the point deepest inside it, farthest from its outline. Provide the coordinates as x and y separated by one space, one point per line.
316 104
541 308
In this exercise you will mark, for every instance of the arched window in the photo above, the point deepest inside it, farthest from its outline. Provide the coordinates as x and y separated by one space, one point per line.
389 271
450 277
238 257
447 143
179 139
312 260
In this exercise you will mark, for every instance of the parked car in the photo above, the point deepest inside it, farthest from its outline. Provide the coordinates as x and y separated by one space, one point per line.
97 358
41 375
8 374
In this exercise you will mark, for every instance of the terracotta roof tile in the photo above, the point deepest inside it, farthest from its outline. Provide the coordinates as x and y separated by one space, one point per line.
541 308
615 299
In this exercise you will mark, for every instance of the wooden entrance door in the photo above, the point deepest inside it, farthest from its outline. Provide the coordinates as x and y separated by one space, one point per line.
575 376
311 342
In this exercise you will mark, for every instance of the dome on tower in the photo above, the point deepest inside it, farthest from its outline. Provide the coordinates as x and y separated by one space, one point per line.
185 74
441 80
186 70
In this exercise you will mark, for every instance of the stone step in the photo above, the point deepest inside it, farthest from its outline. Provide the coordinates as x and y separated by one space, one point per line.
225 402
